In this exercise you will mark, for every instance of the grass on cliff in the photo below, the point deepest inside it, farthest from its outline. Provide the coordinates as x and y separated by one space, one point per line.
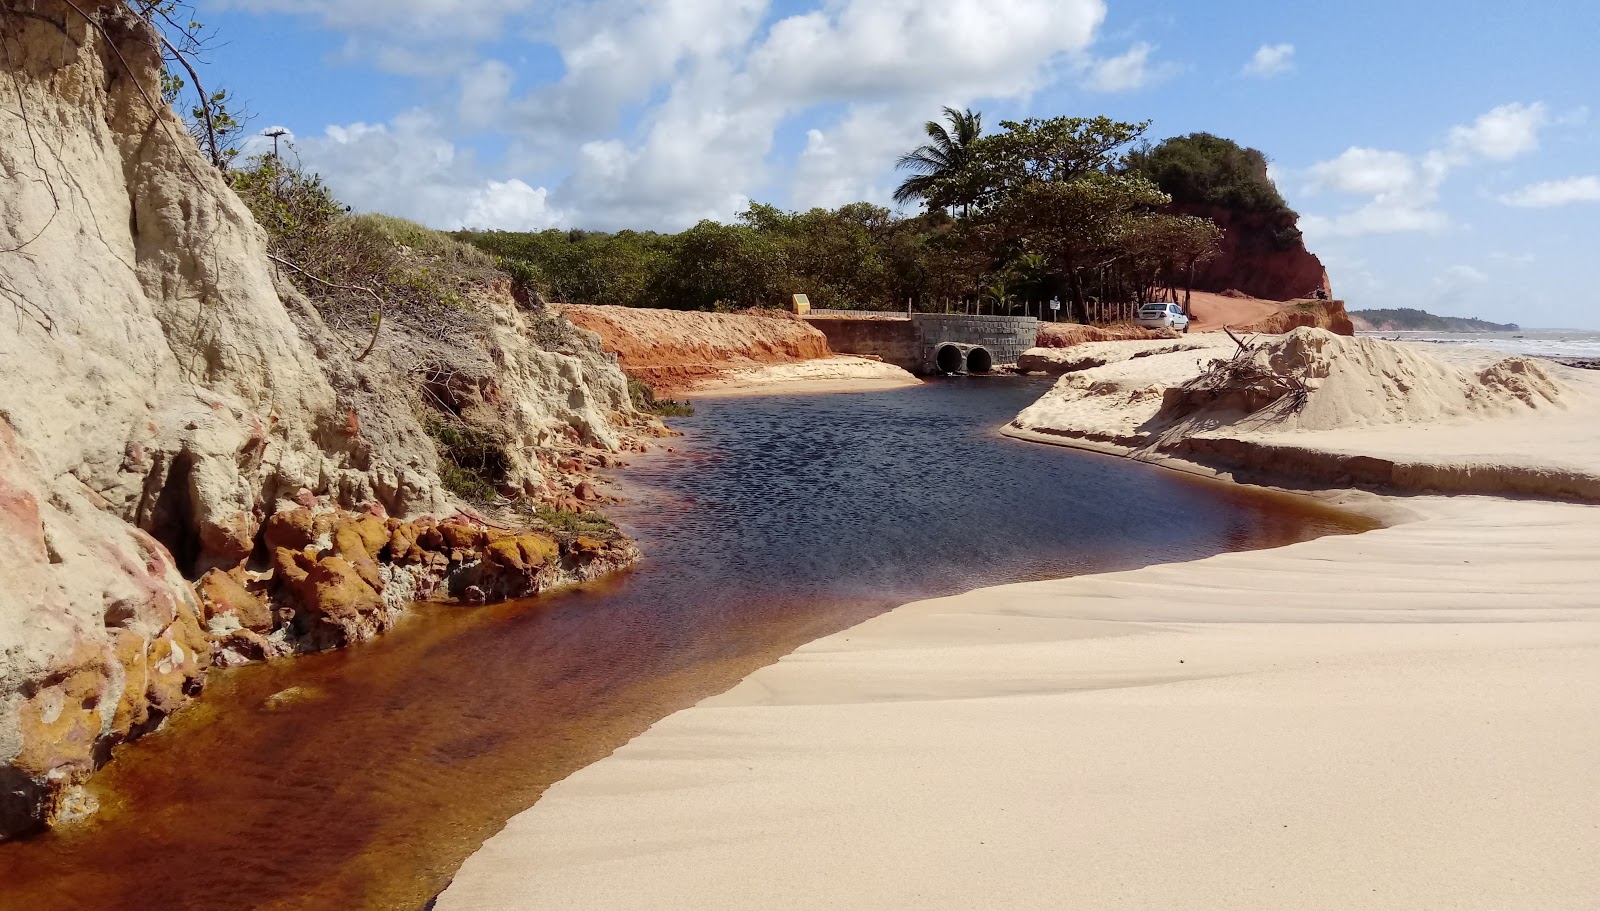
566 523
473 463
644 399
425 278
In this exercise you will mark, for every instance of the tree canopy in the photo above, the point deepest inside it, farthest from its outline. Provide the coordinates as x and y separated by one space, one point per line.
1205 170
1080 208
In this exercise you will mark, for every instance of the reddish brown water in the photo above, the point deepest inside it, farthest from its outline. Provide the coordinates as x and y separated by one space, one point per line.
778 521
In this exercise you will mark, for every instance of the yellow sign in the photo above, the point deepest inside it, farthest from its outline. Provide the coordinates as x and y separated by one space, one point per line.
802 304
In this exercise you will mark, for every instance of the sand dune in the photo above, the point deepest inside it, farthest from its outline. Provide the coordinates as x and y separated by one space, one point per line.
1402 719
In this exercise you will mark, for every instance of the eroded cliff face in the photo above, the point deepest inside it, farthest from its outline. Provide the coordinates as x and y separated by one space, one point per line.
671 349
1262 255
165 395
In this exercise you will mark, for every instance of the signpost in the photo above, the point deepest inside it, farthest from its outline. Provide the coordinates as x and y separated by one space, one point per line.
1055 309
802 304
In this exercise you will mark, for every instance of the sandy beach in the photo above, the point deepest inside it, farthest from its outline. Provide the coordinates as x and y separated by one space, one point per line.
839 373
1402 719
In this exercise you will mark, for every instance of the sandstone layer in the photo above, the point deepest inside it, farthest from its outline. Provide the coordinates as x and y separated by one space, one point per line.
675 349
1262 255
166 396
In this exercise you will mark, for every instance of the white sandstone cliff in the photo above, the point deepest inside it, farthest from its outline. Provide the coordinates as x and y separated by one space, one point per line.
163 392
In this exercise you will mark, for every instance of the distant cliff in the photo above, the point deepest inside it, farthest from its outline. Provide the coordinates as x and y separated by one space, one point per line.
1407 320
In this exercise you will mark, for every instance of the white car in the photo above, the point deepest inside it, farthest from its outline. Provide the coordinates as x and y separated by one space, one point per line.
1162 316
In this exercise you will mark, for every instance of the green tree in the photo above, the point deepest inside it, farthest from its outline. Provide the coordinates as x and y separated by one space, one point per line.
938 166
1205 170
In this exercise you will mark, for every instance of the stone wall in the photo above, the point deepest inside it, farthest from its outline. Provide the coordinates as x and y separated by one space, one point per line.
913 343
892 338
1005 337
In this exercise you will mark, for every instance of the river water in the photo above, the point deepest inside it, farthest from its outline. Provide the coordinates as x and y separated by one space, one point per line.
774 522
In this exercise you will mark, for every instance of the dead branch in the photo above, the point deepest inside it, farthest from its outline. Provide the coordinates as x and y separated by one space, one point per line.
378 326
199 90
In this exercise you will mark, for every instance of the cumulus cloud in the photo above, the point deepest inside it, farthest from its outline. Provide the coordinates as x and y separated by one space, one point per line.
872 49
844 163
1552 193
1271 60
1404 189
1462 276
665 111
1129 71
408 168
1368 172
1502 134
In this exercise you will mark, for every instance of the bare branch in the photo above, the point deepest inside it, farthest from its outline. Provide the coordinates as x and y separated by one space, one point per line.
356 288
199 90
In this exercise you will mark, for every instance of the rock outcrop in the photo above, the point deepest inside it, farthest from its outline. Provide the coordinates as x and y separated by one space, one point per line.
1262 255
1305 314
166 395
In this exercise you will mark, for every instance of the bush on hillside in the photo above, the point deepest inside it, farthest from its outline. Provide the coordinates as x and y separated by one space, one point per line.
1202 169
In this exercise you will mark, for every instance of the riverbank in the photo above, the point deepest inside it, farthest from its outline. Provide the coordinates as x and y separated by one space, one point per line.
1398 719
840 373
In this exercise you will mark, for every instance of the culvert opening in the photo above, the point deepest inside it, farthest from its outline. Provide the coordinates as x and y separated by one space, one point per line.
950 360
979 361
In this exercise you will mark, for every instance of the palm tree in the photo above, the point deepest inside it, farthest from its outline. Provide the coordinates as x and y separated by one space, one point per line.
945 156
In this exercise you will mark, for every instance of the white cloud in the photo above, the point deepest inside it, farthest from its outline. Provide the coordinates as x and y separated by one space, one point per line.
704 148
1507 132
617 51
867 50
408 168
428 21
1514 259
1405 189
1366 172
1271 60
485 89
1461 276
1378 217
1554 193
666 110
845 162
1129 71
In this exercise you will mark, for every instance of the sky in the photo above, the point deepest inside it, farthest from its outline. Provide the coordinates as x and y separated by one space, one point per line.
1444 156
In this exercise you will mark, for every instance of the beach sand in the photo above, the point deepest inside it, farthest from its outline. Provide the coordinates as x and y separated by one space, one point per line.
840 373
1402 719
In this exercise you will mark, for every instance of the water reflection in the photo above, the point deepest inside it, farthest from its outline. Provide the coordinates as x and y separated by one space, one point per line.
776 521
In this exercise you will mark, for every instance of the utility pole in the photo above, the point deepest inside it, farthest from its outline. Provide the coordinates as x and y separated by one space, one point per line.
276 133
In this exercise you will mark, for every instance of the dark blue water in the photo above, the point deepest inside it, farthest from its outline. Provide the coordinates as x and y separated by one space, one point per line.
912 493
774 522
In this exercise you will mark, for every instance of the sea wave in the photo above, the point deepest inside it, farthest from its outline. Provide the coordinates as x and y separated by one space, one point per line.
1576 343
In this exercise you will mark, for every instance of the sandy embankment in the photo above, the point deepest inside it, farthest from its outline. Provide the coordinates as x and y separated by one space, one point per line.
1402 719
702 354
1211 313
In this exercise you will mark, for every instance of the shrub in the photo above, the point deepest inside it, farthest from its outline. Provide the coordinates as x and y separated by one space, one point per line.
1202 169
566 523
644 399
473 463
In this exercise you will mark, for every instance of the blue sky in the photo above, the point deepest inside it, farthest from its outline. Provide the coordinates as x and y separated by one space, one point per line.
1444 155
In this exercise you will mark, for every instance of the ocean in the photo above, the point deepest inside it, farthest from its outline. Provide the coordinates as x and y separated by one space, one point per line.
1562 343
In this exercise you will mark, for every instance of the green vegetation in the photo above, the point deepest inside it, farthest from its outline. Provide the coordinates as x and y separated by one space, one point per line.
644 399
1408 320
1067 207
355 266
568 524
473 463
1205 170
937 167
